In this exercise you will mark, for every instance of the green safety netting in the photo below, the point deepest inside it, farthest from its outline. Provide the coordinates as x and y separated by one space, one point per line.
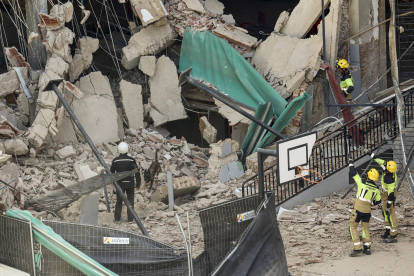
215 61
56 244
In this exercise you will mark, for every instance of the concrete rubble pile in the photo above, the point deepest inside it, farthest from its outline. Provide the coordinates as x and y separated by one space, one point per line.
163 23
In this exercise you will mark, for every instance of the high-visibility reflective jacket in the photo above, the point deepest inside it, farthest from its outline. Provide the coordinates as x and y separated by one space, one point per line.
388 180
368 194
347 82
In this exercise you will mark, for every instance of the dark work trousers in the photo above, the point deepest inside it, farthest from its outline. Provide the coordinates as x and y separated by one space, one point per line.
118 207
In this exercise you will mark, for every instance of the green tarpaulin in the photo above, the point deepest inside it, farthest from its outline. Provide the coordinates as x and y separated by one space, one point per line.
55 243
215 61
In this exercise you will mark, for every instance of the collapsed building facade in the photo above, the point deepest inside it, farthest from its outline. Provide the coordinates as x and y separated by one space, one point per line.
122 65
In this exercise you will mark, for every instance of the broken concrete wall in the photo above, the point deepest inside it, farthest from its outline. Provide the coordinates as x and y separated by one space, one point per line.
303 17
208 132
223 163
235 36
148 11
165 92
132 102
146 42
286 61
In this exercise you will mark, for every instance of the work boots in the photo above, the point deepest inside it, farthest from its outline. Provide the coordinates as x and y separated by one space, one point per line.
367 250
391 239
355 252
386 234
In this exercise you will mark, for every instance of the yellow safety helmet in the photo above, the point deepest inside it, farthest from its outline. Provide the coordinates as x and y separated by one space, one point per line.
342 63
373 174
391 166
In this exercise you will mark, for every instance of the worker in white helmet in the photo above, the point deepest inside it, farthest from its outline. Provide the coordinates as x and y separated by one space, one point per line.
124 163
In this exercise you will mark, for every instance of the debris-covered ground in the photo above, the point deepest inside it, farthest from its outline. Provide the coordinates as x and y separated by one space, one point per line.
323 236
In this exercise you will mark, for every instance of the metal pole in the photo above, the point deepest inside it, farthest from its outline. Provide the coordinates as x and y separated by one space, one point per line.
325 90
32 245
216 95
262 154
170 187
95 151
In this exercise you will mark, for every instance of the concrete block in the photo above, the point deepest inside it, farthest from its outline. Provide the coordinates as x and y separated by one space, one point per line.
235 36
194 5
223 148
45 78
83 171
89 209
148 11
229 19
17 147
165 92
214 6
279 58
15 58
281 21
65 10
295 82
208 131
181 185
44 117
147 65
66 152
132 102
57 65
9 82
146 42
303 17
88 46
157 117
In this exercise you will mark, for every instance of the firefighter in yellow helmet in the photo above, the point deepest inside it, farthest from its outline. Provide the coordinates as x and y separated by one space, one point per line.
388 194
368 194
347 82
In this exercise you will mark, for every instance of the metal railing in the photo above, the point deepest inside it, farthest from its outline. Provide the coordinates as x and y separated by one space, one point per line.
330 152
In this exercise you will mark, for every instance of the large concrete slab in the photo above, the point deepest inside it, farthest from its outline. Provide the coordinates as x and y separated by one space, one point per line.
98 115
132 102
96 111
280 58
89 209
146 42
165 92
303 17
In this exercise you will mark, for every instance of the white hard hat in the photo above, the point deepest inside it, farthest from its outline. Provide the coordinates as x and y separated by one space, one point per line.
123 147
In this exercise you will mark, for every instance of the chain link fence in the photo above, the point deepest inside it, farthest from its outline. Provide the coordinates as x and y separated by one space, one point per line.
16 244
230 231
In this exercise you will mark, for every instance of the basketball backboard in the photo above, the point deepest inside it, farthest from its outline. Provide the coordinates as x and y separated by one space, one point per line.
291 153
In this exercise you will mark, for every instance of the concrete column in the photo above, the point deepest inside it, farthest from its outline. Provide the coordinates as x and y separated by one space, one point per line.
36 51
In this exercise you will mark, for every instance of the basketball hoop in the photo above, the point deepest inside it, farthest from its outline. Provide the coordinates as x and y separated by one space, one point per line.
300 169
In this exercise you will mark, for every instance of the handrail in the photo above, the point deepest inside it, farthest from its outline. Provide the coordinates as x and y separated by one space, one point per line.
330 155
